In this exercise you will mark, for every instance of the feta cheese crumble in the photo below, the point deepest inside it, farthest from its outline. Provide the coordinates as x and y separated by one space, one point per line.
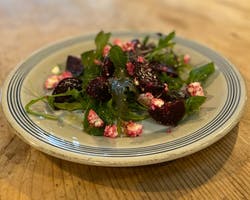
195 89
111 131
156 103
94 120
133 129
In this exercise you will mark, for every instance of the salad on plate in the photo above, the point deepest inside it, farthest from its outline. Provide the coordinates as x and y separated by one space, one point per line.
119 84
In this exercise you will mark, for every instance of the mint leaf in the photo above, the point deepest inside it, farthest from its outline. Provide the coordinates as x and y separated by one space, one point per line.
100 41
201 74
192 104
119 59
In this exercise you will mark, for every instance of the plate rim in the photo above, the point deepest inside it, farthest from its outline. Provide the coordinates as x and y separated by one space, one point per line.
122 161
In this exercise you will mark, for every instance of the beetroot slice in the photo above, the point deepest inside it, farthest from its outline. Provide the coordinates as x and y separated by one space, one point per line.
148 80
98 88
65 85
108 68
74 65
170 113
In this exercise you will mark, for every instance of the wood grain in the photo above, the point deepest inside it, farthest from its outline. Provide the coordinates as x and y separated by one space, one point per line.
221 171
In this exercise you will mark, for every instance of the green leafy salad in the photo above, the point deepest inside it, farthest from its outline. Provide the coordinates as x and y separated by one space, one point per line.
120 83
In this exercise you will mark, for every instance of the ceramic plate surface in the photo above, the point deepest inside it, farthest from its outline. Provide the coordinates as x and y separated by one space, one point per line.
65 139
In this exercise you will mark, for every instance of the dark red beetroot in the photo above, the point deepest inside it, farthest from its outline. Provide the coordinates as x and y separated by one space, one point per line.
98 88
74 65
148 79
65 85
108 68
170 113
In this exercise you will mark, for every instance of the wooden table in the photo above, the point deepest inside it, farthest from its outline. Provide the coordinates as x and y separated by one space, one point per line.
221 171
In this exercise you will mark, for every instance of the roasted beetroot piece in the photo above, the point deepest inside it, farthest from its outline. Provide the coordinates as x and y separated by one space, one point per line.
74 65
65 85
168 114
146 79
108 68
98 88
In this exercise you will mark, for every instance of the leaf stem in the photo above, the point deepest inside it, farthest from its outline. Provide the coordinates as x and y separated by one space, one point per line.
39 114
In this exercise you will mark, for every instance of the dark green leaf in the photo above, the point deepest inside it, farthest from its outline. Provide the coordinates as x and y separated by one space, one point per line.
79 100
119 59
201 74
166 41
183 71
73 92
91 70
164 44
173 83
145 40
106 112
192 104
124 102
36 113
119 89
167 57
170 59
134 116
69 106
88 58
76 94
133 104
101 40
90 129
135 111
51 101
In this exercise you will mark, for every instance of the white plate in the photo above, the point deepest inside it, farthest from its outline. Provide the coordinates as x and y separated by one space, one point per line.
226 99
